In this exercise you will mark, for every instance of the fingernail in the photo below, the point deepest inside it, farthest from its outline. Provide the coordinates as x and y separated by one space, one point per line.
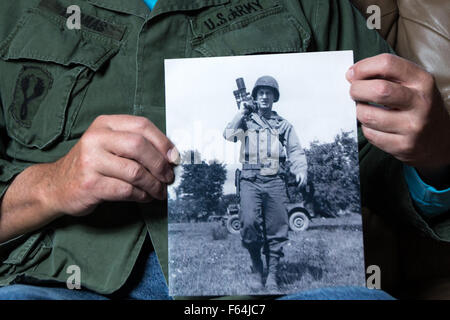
350 73
174 156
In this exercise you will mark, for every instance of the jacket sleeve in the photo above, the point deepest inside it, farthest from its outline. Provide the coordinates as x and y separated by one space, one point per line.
8 171
235 131
337 25
295 153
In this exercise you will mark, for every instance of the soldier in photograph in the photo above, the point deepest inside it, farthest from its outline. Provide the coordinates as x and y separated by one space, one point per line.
267 142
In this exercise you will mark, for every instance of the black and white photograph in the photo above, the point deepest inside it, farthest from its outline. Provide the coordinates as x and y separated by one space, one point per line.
266 198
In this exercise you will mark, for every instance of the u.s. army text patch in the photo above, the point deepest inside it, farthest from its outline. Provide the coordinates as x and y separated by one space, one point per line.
220 17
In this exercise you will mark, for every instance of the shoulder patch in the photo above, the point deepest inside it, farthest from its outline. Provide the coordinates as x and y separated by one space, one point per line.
32 86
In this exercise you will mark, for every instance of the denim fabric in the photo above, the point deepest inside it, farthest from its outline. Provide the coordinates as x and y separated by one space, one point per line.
340 293
147 280
27 292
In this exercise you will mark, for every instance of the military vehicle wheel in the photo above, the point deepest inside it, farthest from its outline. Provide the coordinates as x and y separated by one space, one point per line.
234 224
298 221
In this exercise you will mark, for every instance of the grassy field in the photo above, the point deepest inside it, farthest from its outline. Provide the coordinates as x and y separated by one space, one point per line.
329 253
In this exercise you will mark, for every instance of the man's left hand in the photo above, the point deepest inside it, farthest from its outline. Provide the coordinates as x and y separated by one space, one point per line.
413 124
301 181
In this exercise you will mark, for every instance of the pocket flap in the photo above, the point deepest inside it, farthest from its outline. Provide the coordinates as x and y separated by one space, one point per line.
42 35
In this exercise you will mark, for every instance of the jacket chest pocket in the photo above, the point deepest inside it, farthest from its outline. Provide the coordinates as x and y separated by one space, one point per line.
247 27
46 67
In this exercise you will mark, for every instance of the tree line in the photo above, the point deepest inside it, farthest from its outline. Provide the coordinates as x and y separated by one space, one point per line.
332 189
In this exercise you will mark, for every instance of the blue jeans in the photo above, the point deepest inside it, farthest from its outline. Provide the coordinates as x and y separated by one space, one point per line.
340 293
147 283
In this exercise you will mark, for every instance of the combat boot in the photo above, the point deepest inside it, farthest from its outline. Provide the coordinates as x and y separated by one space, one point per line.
256 268
271 281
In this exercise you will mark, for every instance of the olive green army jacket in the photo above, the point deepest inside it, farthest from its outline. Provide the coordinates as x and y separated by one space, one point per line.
55 81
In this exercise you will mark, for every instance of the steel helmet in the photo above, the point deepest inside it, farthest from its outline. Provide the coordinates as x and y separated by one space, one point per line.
267 81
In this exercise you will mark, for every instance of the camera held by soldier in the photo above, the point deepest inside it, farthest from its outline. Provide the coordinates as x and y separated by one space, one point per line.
244 100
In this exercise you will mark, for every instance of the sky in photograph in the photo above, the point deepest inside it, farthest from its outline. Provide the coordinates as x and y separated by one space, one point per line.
314 98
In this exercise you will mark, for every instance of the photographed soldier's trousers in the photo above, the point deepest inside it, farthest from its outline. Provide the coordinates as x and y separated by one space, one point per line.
264 219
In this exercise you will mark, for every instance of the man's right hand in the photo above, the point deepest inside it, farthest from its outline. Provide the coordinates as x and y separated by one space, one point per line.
119 158
246 107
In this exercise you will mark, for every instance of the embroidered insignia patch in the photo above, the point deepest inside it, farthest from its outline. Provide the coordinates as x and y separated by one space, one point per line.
212 20
32 87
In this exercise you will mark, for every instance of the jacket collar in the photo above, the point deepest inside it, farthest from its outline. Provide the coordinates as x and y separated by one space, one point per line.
140 9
